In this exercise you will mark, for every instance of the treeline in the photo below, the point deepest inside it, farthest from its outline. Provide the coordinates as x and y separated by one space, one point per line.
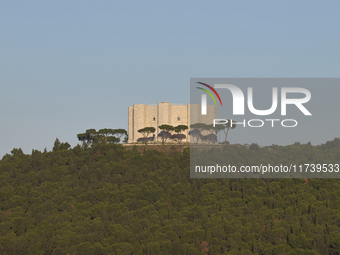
110 200
165 134
200 132
105 135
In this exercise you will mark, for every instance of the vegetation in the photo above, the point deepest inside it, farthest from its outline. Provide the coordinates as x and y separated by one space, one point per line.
198 129
105 135
60 146
165 133
146 132
231 124
179 129
109 200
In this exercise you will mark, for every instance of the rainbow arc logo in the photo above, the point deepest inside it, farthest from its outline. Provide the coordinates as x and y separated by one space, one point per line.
204 97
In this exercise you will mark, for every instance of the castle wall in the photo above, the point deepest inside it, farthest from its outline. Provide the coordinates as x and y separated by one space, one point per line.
142 115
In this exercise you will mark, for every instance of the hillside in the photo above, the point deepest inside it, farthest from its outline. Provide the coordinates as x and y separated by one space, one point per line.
111 200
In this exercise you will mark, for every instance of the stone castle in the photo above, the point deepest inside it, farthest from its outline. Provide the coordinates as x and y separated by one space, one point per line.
142 115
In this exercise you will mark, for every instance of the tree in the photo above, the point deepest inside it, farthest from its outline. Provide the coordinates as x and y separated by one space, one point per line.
196 131
60 146
254 147
231 124
82 138
219 127
119 133
56 145
146 132
178 129
165 134
126 138
64 146
105 132
210 137
109 135
214 131
88 137
112 139
17 152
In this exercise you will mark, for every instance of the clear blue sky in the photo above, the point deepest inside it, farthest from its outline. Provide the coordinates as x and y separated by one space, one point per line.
66 66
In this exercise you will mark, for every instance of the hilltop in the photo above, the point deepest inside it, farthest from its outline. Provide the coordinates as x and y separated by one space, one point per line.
109 199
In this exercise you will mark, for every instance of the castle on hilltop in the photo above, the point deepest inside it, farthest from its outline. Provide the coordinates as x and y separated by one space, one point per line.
142 115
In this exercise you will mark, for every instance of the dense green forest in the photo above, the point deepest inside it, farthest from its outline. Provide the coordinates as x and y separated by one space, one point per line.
107 199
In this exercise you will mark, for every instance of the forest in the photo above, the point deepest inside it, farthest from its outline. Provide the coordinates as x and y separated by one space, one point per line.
110 199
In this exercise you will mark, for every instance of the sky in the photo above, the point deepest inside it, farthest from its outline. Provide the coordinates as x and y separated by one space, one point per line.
67 66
